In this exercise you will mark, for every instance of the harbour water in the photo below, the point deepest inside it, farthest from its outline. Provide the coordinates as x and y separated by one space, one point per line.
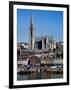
39 75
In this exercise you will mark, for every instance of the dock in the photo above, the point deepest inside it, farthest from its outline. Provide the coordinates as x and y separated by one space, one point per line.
32 70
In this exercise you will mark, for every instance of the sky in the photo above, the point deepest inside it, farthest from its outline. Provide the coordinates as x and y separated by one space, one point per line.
46 23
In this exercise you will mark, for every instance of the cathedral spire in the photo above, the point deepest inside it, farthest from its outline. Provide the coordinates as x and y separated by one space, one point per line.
31 22
31 34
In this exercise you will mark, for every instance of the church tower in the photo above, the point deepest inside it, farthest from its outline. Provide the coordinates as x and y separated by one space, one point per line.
31 35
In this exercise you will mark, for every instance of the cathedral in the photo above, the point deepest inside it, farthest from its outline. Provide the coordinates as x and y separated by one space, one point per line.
41 43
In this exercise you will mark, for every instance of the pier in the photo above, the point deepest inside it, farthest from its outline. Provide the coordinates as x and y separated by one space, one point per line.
32 70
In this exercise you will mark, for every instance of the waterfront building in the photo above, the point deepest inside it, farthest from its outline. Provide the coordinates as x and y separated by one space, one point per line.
22 45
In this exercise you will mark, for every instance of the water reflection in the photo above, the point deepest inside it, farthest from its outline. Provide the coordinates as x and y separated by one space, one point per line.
39 75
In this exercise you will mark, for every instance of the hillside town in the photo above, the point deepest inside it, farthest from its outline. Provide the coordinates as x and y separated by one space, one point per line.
40 54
